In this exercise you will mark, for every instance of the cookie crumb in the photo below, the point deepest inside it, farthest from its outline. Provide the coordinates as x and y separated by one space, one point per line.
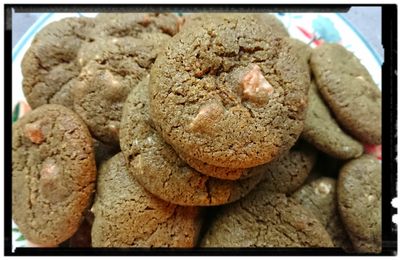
323 188
255 87
80 60
360 78
34 133
371 198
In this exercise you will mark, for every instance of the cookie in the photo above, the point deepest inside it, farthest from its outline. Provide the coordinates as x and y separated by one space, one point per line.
264 219
320 198
229 94
289 172
126 215
53 173
112 68
134 24
159 169
49 66
359 199
215 171
349 91
322 131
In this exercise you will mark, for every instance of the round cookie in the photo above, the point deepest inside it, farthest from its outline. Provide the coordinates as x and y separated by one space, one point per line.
113 67
320 198
134 24
49 67
264 219
349 91
126 215
289 172
159 169
229 94
278 28
322 131
53 173
359 199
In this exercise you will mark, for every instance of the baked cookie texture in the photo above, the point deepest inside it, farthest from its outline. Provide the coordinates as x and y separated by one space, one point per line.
288 173
126 215
134 24
264 219
53 173
112 68
215 171
321 130
229 94
50 65
267 20
349 91
303 51
360 203
320 197
161 171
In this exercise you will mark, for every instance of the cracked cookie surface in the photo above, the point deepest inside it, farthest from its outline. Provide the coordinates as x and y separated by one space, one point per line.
264 219
349 91
159 169
126 215
287 173
112 68
360 202
267 20
50 67
134 24
321 130
320 197
53 173
252 82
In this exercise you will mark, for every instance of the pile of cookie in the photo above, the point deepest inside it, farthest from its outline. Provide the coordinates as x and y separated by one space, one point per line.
207 130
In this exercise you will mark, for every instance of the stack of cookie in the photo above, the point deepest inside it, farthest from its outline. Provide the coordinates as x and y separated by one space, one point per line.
178 115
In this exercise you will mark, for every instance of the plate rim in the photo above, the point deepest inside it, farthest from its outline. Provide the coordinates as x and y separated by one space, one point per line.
376 55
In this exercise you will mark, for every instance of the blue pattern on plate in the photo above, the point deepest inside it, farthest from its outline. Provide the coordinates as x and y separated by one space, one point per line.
325 29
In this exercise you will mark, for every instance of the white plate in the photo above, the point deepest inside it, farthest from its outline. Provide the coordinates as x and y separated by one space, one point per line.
313 28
